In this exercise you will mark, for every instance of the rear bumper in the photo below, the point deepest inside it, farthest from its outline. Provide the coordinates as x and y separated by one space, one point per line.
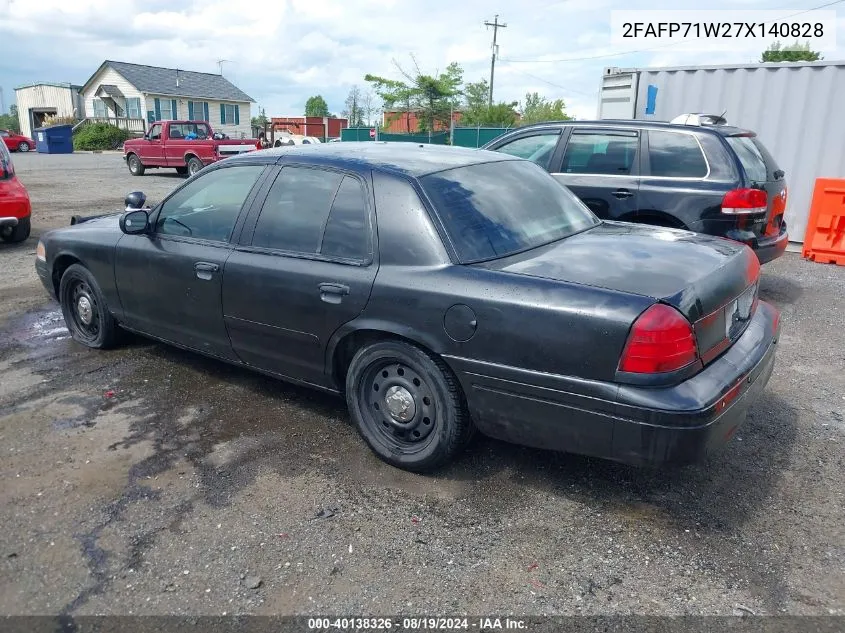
9 221
635 425
766 248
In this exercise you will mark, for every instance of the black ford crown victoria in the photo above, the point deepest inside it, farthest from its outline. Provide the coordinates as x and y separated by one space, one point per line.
440 290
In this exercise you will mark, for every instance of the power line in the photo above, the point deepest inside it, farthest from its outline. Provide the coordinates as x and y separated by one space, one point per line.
496 26
645 50
554 85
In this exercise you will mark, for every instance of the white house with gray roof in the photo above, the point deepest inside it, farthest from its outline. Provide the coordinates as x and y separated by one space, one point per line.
133 95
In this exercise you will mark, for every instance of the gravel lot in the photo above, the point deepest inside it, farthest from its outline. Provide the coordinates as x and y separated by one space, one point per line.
148 480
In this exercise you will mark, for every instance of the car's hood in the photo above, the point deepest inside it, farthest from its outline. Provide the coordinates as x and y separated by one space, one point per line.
695 273
99 222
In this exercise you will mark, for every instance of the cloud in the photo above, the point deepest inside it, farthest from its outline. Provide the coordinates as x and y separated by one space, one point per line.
283 51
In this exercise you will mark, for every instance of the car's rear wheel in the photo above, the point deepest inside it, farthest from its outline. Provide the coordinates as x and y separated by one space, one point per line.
194 165
136 167
85 310
407 405
23 146
16 233
181 170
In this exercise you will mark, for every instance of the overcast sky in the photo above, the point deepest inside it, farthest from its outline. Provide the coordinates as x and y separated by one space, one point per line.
282 51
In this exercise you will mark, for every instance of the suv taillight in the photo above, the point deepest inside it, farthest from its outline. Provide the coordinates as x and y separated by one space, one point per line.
741 201
661 340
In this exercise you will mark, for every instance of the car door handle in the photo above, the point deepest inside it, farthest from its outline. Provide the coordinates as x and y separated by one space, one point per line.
204 270
622 194
333 293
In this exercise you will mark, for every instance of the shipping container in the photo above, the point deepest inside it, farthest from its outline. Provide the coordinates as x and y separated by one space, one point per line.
795 109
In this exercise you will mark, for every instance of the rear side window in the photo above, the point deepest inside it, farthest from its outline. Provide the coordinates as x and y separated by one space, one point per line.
7 170
346 234
294 215
610 152
750 156
675 155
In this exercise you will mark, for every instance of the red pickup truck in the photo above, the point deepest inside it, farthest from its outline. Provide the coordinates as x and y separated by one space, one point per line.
186 146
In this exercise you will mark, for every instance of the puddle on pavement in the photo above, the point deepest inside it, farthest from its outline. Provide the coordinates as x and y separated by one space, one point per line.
35 328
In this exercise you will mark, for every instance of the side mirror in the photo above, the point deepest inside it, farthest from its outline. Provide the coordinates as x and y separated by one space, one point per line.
135 200
146 137
134 222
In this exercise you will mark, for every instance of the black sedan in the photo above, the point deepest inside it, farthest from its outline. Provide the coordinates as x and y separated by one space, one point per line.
440 291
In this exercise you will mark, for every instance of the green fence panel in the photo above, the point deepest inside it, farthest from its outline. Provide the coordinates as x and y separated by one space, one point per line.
476 136
356 134
435 138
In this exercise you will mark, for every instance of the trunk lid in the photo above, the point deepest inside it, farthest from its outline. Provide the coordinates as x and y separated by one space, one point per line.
697 274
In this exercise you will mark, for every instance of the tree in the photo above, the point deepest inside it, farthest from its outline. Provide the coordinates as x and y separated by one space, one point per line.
795 53
538 109
477 112
316 106
261 121
354 110
10 121
433 97
369 107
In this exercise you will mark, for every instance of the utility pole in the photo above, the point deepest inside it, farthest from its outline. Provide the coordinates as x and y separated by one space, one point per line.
496 26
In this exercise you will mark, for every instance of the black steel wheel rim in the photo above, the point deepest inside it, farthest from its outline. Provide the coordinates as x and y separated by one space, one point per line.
84 312
398 404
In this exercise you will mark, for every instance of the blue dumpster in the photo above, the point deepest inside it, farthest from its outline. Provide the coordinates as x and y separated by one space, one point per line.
57 139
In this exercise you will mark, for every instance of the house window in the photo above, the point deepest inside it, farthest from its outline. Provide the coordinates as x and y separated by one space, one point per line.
99 108
167 113
229 114
197 110
133 108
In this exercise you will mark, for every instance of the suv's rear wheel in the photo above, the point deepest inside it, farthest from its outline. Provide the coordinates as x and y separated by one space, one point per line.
16 233
407 405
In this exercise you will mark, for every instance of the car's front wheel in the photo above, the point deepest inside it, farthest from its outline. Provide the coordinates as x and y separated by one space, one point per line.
407 405
136 167
16 233
23 146
85 310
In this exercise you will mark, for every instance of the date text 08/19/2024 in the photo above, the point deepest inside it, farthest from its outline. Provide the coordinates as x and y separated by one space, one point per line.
414 624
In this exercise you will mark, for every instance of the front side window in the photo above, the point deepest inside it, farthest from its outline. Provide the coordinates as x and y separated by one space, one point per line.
294 215
497 209
155 132
610 152
537 148
208 207
675 155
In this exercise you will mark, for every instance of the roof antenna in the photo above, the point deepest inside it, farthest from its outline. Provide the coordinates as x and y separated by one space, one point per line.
722 116
220 63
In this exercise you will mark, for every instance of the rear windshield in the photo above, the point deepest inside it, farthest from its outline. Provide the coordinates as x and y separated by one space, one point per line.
755 158
492 210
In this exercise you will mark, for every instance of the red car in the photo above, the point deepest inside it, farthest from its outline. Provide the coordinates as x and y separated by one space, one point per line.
15 209
16 142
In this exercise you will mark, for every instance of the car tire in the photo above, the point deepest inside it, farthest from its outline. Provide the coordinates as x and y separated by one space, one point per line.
17 233
23 146
84 308
407 405
136 167
182 170
194 165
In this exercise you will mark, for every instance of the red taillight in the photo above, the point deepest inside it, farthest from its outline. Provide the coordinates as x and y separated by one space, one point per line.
661 340
745 201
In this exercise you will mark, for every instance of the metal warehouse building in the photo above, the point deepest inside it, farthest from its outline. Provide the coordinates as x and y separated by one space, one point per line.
795 108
